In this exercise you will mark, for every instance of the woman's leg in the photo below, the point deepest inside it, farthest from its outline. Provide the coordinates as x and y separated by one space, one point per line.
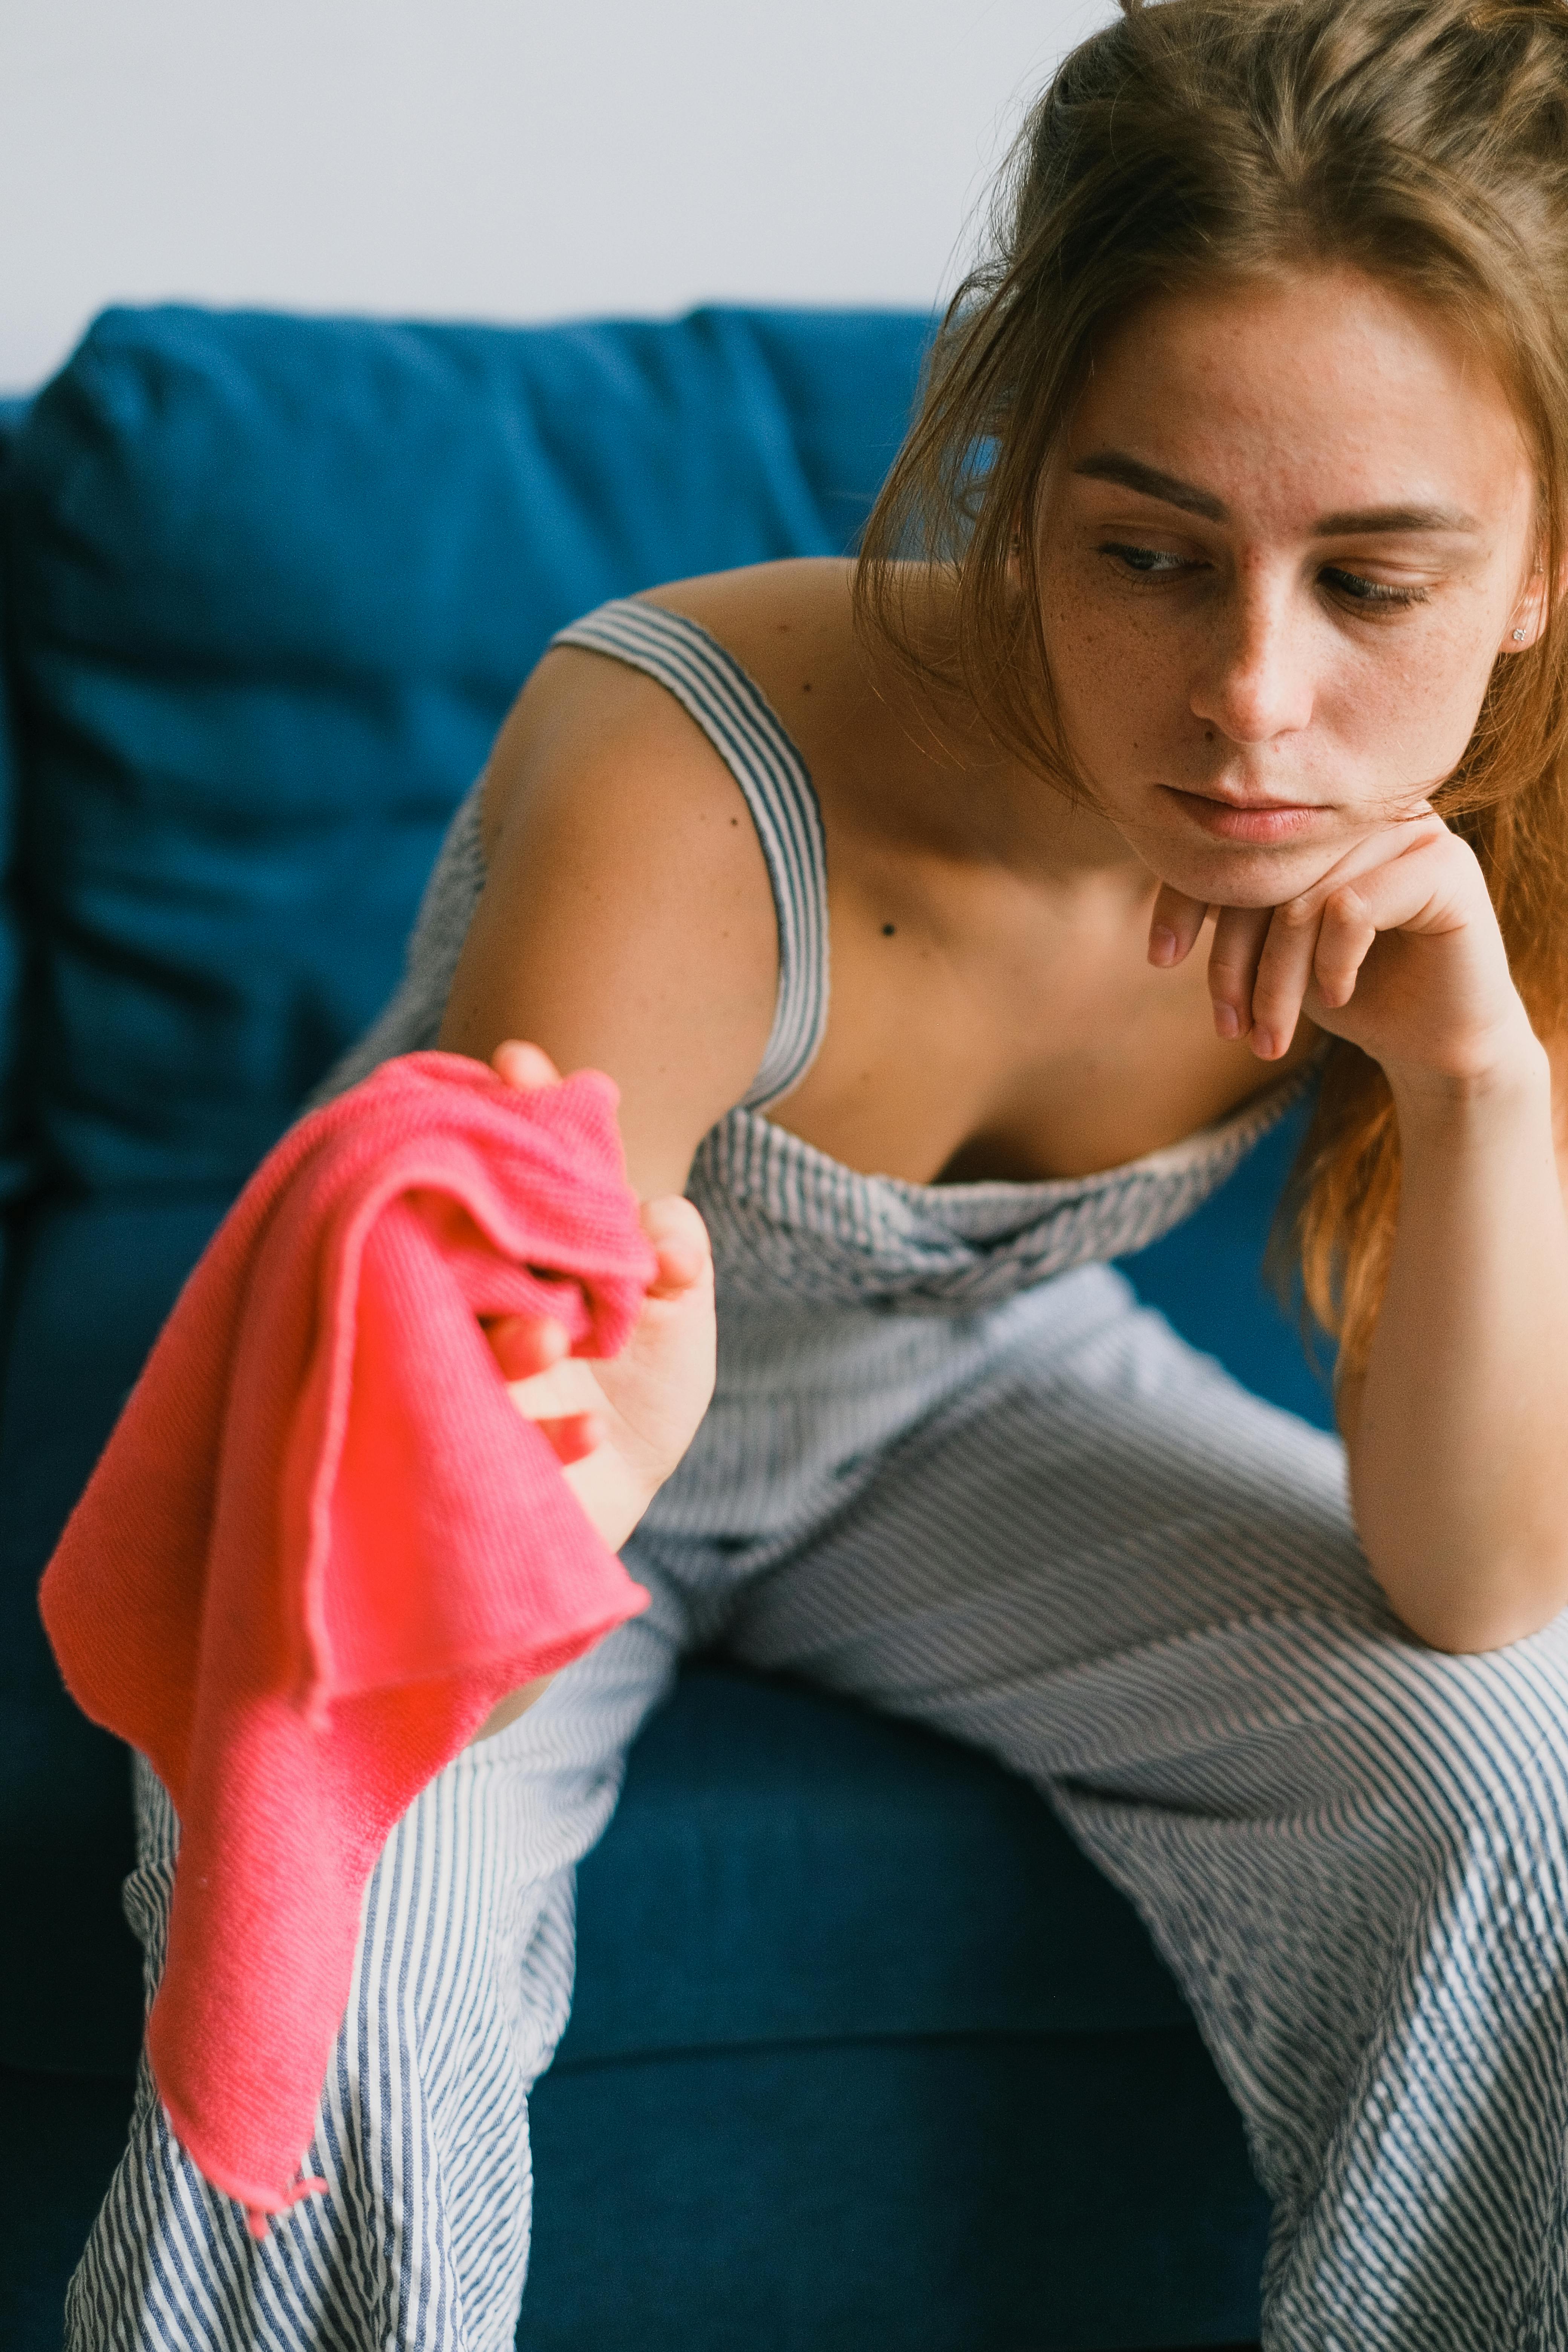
1139 1586
461 1988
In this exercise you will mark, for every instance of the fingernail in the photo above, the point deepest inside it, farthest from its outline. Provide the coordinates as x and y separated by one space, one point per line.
1226 1021
1263 1045
1161 945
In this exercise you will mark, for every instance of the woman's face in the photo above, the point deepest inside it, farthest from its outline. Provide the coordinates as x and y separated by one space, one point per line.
1290 530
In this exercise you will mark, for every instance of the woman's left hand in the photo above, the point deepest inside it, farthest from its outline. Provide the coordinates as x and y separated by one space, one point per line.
1396 948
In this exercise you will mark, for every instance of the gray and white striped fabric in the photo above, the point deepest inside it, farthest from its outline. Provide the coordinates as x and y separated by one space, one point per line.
954 1470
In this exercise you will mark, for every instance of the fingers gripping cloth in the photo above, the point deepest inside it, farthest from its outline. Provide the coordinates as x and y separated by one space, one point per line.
322 1543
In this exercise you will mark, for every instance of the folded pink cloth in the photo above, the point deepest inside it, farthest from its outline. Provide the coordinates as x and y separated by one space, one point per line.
322 1543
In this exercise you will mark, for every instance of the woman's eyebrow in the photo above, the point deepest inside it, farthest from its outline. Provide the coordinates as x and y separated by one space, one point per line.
1115 466
1369 518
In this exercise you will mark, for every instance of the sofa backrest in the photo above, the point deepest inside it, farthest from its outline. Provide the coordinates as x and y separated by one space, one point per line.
273 584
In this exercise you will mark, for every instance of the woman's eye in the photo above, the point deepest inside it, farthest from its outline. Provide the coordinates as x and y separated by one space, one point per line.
1364 591
1145 559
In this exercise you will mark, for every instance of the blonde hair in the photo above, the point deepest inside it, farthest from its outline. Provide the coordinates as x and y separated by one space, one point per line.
1422 142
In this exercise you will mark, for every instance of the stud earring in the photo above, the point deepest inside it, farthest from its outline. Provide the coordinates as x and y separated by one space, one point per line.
1518 637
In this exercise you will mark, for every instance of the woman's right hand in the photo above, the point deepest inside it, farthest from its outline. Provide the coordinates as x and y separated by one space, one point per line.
618 1426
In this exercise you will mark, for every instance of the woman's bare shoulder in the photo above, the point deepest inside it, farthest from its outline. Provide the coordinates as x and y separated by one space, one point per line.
797 591
581 705
790 626
627 920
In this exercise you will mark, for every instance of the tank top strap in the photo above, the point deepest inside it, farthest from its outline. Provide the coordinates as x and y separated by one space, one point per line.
775 783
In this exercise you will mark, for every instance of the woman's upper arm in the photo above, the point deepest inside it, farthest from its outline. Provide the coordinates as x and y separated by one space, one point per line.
626 921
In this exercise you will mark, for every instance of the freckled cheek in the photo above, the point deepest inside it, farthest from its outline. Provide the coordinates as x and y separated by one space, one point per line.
1414 717
1118 686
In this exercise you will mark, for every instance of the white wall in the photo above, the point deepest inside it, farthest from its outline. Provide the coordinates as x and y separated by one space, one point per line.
497 159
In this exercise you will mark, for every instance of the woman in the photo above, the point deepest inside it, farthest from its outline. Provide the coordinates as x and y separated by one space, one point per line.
1192 724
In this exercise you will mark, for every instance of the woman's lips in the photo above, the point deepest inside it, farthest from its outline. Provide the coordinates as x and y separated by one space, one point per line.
1257 821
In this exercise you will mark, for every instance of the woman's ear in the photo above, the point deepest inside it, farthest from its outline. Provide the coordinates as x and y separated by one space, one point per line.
1527 623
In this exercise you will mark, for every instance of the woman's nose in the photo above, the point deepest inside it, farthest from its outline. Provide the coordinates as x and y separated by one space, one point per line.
1257 684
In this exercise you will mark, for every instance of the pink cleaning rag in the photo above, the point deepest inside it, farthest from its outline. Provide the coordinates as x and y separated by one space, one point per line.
322 1543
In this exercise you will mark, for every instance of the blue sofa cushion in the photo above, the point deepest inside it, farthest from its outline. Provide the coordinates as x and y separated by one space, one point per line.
785 1866
275 582
14 1154
1066 2193
93 1282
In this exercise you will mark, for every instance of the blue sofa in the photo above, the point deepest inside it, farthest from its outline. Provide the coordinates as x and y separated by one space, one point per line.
864 2055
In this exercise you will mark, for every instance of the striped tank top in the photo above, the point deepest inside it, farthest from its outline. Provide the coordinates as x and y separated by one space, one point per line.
850 1306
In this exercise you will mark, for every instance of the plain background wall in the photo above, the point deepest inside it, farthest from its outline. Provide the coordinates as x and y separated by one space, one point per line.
498 159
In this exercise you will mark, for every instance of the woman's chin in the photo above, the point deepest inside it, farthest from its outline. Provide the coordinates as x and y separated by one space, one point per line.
1247 876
